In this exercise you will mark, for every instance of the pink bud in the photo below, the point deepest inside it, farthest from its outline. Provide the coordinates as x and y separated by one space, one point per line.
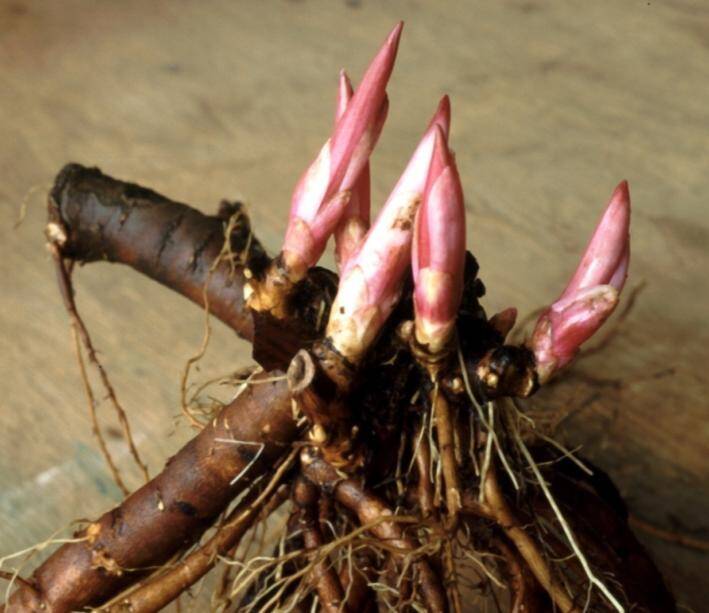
344 95
371 280
567 324
592 293
355 220
605 260
323 192
439 250
364 106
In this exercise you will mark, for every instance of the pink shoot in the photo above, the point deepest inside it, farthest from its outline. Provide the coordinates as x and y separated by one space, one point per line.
591 295
605 260
371 280
439 250
355 220
323 192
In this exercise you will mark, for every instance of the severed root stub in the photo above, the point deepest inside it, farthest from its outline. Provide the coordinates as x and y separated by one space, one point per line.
389 432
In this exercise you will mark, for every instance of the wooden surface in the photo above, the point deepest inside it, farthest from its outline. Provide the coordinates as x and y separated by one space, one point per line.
553 104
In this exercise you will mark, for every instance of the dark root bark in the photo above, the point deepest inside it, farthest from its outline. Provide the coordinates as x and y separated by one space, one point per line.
170 512
93 217
413 483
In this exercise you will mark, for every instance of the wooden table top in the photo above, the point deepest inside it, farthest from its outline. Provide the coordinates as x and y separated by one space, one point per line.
553 104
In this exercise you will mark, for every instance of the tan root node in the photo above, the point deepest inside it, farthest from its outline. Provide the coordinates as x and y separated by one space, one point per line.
269 293
102 560
56 234
338 369
507 371
319 398
435 359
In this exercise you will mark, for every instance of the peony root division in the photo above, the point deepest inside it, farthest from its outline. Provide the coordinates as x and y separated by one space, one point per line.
382 441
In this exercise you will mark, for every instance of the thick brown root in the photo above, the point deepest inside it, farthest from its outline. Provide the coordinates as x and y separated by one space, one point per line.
93 217
170 512
162 589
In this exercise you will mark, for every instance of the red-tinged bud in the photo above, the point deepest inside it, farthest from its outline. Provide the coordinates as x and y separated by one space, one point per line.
592 293
605 261
371 280
504 321
323 192
567 324
355 220
364 106
344 95
409 189
439 250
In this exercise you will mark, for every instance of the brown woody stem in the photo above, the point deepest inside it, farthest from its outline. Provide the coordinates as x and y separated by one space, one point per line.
93 217
158 592
171 511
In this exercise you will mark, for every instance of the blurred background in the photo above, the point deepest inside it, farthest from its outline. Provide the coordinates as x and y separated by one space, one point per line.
553 104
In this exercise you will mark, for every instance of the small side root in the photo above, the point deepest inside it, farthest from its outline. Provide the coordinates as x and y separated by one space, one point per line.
16 578
233 260
497 507
671 536
24 203
381 522
446 447
593 579
324 576
166 586
82 337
